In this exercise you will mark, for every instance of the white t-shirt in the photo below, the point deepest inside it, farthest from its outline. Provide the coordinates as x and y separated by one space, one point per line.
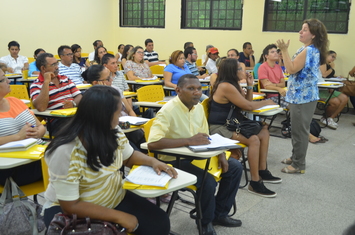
92 56
211 66
15 64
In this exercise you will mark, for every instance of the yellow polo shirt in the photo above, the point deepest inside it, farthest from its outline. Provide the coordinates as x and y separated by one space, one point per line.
175 121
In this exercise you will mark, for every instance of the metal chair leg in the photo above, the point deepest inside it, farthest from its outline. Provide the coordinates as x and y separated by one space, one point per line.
245 169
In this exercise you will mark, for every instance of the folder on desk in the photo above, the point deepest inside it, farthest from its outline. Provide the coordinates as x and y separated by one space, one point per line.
147 80
145 177
329 83
266 108
64 112
12 74
137 121
34 152
20 145
217 142
83 86
129 93
213 167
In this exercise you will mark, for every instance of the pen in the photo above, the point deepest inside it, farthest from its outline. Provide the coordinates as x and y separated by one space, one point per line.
33 126
209 138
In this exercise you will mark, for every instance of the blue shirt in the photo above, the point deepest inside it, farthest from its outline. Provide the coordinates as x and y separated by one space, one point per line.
177 72
32 68
302 86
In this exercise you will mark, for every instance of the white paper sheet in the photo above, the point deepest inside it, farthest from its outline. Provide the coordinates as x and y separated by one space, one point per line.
145 175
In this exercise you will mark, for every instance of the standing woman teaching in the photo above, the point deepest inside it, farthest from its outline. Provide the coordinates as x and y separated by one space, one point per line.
302 93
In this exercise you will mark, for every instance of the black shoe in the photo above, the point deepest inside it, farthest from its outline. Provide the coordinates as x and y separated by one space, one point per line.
208 229
268 177
227 222
258 188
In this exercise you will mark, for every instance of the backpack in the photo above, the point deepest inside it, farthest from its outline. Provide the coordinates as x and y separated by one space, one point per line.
286 128
315 128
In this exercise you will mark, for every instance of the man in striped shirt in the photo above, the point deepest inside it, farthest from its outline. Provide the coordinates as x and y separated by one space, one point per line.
67 67
151 57
50 90
190 54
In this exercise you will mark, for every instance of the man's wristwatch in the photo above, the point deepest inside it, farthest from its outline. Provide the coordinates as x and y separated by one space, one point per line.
74 104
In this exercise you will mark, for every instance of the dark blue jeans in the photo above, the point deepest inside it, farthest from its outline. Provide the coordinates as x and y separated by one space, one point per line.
215 206
352 100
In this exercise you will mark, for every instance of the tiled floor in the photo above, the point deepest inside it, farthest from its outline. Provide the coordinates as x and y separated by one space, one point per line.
321 201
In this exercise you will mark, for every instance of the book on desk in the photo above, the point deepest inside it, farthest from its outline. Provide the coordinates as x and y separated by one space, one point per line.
217 142
21 145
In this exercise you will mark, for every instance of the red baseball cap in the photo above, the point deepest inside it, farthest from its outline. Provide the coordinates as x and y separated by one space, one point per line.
213 50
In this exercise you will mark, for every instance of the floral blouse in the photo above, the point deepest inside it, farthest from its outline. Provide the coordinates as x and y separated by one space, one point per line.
141 70
302 86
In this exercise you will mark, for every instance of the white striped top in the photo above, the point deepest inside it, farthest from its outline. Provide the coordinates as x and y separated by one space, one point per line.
12 121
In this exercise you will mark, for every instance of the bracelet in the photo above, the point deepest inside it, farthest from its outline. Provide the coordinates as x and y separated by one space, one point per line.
74 104
135 228
249 88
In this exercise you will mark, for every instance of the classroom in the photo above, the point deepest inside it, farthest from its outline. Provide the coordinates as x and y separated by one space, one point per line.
318 202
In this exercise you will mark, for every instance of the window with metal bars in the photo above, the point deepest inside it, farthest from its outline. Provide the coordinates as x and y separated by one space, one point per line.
142 13
288 15
212 14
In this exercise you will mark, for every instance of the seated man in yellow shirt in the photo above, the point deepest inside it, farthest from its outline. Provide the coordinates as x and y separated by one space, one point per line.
182 122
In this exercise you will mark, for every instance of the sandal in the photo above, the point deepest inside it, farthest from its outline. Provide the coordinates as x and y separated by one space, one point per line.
165 198
318 141
288 171
287 161
323 138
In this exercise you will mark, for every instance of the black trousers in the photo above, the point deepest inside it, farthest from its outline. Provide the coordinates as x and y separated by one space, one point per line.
24 174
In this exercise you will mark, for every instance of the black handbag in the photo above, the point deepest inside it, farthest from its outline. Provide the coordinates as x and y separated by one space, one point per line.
62 224
247 127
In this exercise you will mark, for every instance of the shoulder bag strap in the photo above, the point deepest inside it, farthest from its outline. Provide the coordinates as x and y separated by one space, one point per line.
231 112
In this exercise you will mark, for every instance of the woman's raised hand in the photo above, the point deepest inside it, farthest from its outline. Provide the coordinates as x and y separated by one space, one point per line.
282 45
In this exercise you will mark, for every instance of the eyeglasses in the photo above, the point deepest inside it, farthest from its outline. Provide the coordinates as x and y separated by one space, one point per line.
334 57
140 52
54 64
194 54
69 54
107 79
4 79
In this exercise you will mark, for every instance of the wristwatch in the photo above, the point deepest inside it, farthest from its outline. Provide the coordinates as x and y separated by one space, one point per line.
74 104
249 88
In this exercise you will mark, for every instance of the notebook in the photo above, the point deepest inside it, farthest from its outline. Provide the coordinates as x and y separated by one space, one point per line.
144 177
34 152
217 142
21 145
